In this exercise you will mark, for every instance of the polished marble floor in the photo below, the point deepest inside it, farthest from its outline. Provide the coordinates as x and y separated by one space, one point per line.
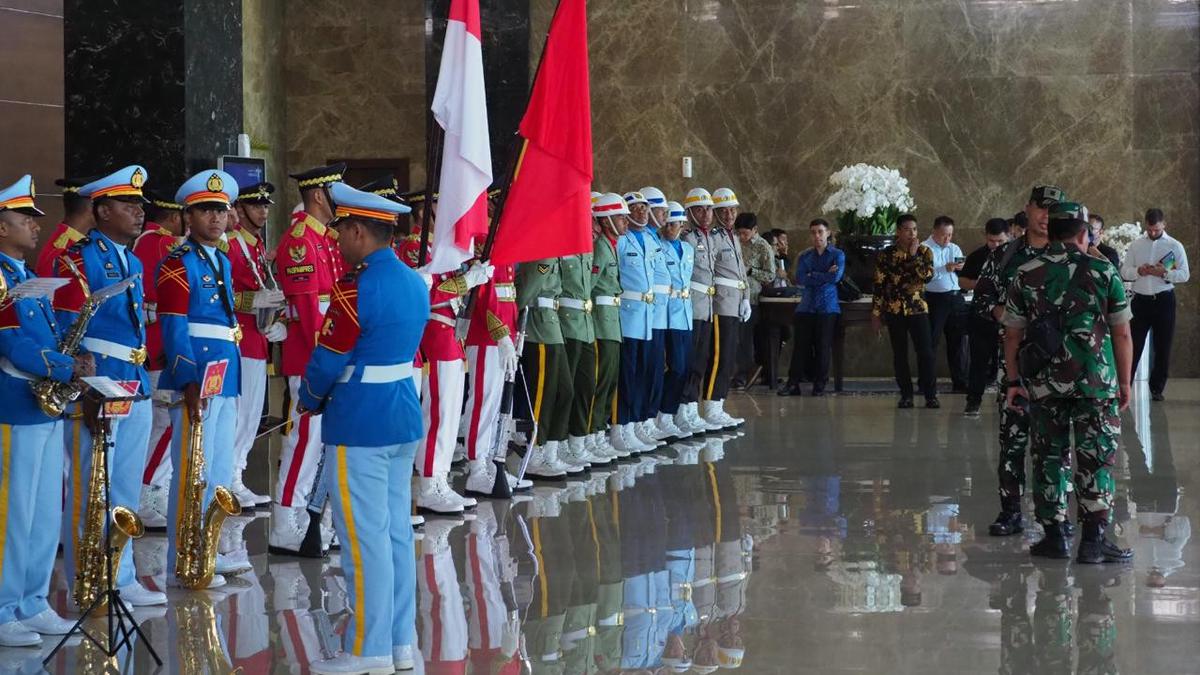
836 535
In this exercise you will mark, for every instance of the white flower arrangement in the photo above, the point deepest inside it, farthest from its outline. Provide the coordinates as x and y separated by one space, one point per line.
1121 237
869 199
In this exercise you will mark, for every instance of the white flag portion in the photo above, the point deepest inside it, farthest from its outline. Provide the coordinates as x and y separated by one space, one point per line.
460 107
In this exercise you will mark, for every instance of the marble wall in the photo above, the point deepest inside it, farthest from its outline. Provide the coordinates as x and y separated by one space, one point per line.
264 97
973 100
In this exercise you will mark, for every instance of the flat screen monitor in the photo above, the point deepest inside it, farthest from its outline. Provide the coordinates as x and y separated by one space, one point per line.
246 171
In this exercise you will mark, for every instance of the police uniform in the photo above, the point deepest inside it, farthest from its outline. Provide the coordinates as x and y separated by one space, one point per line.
663 288
200 331
152 247
1077 390
306 264
31 447
718 290
252 294
63 236
606 321
681 259
116 337
361 375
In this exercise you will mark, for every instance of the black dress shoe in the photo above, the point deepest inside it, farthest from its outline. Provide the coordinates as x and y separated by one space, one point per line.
789 390
932 402
1054 545
1157 396
1096 551
905 402
818 392
1006 524
972 409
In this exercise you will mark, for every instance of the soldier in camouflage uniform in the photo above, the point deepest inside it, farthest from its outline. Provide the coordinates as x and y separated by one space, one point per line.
991 293
1080 389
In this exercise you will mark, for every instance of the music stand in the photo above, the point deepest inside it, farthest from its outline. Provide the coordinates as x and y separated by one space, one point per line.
104 390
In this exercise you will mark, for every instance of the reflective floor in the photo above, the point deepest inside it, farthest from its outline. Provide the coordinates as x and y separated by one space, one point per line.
836 535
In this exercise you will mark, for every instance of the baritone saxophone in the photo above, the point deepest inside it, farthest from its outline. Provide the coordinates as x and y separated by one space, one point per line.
198 533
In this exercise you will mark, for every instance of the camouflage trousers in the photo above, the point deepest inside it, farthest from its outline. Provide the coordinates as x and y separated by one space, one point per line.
1096 426
1014 438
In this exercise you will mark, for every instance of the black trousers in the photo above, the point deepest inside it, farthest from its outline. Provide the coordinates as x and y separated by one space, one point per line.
900 330
724 352
947 314
1154 315
813 352
748 356
984 340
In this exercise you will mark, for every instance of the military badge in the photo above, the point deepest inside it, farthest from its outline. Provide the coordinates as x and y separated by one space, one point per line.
543 268
138 179
298 253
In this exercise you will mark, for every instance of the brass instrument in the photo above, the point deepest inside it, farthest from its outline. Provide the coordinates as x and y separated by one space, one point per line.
196 540
199 647
90 571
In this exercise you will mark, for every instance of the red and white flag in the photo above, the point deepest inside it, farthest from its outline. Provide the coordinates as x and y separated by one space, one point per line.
460 107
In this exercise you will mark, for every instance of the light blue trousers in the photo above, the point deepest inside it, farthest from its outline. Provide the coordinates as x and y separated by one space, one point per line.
129 439
31 460
220 429
370 489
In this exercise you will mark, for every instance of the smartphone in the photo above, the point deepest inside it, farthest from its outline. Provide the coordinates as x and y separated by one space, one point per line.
960 260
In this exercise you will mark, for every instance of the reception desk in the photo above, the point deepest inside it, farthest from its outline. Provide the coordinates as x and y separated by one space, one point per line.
781 311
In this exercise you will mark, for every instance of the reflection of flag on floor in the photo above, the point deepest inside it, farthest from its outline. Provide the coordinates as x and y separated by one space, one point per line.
547 212
460 107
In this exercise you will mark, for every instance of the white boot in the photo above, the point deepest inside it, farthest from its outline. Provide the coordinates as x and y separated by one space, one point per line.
684 423
602 448
522 485
152 507
481 477
710 413
728 419
578 452
245 496
666 425
435 496
617 439
346 664
697 421
287 527
643 434
554 452
541 465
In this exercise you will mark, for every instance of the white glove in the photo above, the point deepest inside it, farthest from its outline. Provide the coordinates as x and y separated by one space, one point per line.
276 332
744 310
478 274
427 278
508 355
267 299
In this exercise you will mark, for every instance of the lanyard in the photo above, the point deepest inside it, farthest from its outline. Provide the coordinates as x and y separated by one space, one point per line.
218 271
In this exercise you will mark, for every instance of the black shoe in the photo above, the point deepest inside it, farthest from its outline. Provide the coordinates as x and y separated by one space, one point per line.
789 390
1006 524
1095 551
905 402
932 402
958 389
1157 396
972 409
818 392
1068 528
1054 545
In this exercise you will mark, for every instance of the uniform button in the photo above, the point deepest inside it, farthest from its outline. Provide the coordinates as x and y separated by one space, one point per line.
204 349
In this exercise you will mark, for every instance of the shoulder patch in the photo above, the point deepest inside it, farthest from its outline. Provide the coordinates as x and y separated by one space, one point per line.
298 229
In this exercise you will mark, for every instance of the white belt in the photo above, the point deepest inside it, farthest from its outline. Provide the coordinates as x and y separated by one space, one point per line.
11 369
682 294
506 292
547 303
607 301
634 296
442 319
730 283
573 303
379 374
116 350
211 331
662 289
701 288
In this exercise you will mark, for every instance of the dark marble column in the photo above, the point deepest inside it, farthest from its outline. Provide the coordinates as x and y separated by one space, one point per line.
152 82
505 27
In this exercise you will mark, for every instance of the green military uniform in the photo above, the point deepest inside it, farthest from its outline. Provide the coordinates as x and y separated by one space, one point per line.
1077 391
579 334
606 320
544 359
992 291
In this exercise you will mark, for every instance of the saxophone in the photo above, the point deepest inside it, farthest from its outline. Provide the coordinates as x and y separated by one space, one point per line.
196 539
199 648
90 579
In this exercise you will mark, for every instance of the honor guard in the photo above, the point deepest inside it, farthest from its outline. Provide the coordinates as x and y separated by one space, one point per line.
116 337
664 287
638 256
681 258
361 375
77 222
579 344
162 233
609 216
257 303
31 442
719 302
307 264
200 342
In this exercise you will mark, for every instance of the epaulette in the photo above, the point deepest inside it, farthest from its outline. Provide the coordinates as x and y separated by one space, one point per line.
179 251
298 229
78 246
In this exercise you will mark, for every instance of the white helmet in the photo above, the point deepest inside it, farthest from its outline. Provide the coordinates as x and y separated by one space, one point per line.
655 197
724 198
675 213
635 197
595 196
609 204
698 197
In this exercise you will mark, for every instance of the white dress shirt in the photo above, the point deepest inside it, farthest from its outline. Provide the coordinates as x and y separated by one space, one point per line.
1147 251
942 281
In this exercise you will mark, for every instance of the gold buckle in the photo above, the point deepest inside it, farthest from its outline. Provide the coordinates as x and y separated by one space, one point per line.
616 301
712 290
647 297
741 285
237 334
137 356
591 631
587 306
685 294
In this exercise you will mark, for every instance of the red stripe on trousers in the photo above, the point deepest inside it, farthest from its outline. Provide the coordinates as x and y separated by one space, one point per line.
477 408
156 457
434 421
485 637
435 610
289 486
301 654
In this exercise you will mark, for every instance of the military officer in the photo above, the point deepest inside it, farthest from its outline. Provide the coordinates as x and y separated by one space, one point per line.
162 233
255 296
991 292
579 337
78 220
1082 386
658 425
719 301
200 340
609 216
31 442
306 264
361 374
681 258
116 337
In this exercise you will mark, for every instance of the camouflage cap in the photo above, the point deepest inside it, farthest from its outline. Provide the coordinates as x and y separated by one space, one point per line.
1046 196
1068 211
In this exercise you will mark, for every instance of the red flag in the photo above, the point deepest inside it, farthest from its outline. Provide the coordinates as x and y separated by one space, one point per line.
547 212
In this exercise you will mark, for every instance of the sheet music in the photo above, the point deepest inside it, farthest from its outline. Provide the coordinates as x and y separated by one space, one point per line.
116 289
41 287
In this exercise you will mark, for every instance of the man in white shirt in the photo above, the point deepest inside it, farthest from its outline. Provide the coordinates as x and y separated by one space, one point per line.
1154 263
947 310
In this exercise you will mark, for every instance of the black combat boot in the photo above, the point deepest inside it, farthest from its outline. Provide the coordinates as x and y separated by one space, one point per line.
1055 544
1096 548
1009 522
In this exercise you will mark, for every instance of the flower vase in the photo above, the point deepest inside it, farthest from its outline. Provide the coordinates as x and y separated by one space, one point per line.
861 251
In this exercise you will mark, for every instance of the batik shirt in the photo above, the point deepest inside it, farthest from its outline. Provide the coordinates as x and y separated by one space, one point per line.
900 281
